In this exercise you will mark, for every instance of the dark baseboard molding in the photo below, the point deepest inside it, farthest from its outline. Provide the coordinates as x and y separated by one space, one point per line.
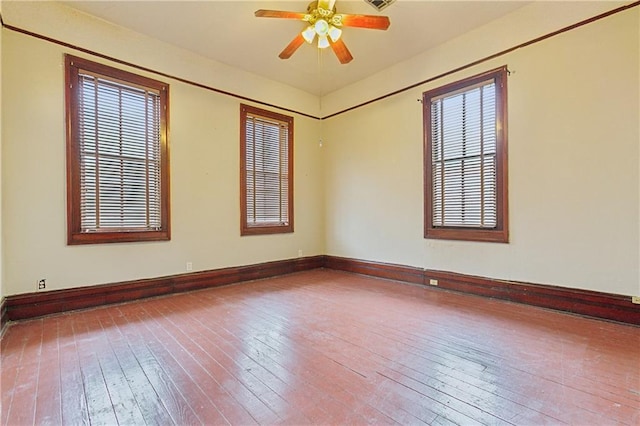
33 305
595 304
381 270
4 316
584 302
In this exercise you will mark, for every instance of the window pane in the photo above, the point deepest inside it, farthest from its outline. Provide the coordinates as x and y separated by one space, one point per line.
119 185
266 191
117 160
267 173
465 163
459 123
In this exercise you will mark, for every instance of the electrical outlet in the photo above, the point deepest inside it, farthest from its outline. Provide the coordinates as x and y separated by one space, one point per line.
189 266
42 284
635 299
300 253
433 282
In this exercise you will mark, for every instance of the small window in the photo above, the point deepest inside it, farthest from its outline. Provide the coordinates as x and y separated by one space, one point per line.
117 155
465 130
266 172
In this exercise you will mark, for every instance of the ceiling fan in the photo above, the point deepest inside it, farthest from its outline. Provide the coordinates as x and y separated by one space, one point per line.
323 21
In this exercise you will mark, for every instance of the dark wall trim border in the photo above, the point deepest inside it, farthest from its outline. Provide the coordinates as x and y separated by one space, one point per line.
150 70
33 305
585 302
375 269
488 58
4 316
379 98
595 304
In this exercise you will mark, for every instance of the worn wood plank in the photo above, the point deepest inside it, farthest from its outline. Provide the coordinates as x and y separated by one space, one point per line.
21 406
88 342
147 400
48 403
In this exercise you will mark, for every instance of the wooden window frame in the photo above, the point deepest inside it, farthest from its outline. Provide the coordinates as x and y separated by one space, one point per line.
245 227
500 233
75 234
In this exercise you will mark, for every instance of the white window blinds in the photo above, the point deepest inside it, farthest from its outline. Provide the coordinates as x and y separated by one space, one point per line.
463 157
267 171
120 164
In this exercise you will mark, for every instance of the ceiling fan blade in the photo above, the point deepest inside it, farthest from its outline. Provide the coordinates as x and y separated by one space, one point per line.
341 51
292 47
264 13
366 21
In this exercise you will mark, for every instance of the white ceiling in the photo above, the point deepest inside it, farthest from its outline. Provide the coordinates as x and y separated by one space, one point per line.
228 32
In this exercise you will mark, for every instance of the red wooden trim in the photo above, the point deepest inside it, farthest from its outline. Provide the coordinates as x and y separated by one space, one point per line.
488 58
32 305
151 70
376 269
4 315
379 98
585 302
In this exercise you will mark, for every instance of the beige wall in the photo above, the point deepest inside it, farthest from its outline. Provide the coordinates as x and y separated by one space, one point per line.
573 167
204 144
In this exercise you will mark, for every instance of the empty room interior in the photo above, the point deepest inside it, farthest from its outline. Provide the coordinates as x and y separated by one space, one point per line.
389 212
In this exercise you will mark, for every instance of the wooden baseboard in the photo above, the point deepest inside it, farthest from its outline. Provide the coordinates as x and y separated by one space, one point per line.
596 304
33 305
4 316
590 303
382 270
585 302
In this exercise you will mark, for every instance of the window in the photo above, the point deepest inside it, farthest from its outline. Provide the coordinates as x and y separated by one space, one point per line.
117 155
466 159
266 172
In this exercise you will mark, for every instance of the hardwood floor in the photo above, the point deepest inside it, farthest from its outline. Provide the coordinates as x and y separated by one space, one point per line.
320 347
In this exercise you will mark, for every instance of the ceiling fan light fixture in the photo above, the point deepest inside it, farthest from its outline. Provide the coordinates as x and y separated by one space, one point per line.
323 20
309 34
323 42
334 33
322 27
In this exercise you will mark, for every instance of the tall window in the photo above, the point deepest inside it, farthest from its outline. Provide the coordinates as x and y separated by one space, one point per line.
266 172
466 159
117 155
